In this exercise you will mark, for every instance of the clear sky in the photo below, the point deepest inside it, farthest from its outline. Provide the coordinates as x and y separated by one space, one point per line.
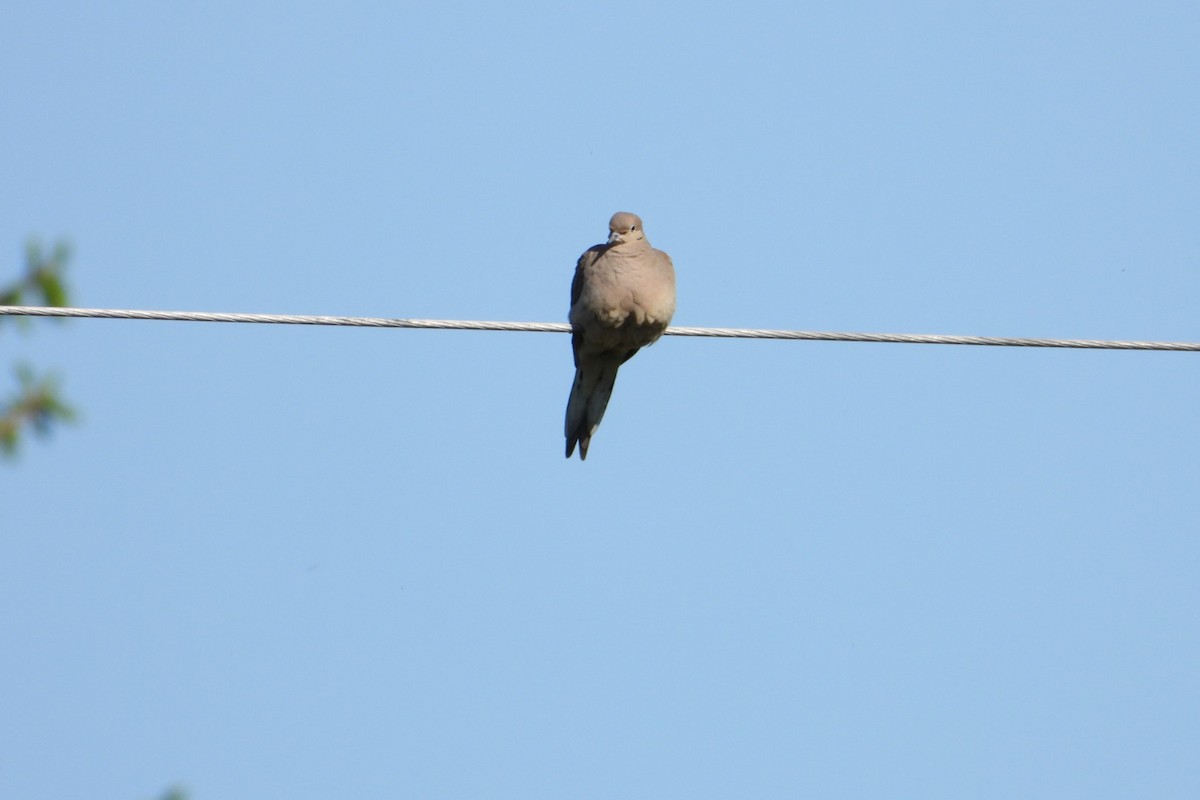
320 563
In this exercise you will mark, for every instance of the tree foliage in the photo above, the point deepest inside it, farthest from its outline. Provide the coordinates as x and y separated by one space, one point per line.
36 405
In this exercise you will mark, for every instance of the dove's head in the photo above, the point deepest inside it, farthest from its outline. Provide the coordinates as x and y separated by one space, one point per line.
625 228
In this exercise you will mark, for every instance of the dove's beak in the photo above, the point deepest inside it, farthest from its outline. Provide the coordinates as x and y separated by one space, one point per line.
614 238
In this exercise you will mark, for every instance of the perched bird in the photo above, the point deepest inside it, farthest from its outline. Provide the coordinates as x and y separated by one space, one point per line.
622 299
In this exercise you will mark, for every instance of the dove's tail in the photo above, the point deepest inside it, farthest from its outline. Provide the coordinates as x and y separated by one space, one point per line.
589 397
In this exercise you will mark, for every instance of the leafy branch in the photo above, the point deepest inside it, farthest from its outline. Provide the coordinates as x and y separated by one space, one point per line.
43 278
36 405
174 794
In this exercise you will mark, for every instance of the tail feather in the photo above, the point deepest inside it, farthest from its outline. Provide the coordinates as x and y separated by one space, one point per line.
590 393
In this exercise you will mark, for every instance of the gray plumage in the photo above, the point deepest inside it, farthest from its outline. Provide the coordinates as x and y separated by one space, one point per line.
622 299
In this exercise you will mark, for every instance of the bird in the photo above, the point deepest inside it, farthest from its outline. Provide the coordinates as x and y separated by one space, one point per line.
622 299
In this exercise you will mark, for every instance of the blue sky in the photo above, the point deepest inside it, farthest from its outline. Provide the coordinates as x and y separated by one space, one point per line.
323 563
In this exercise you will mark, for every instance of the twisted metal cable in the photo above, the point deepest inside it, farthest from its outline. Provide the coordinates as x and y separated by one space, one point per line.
561 327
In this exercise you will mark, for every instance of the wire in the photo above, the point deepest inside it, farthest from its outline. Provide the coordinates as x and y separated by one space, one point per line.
560 327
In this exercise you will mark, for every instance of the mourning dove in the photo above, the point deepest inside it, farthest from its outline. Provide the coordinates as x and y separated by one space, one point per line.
622 299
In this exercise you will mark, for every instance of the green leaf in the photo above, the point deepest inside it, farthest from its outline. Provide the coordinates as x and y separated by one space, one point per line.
52 289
